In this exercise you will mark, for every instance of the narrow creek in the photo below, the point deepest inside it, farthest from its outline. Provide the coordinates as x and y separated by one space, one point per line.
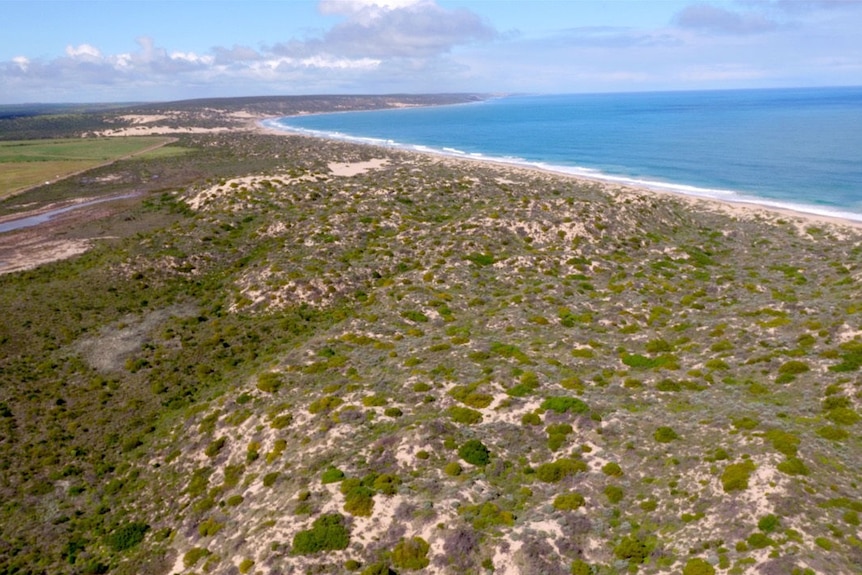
30 221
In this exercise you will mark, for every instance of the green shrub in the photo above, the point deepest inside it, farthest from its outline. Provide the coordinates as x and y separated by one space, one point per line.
668 385
486 515
411 554
324 404
612 469
127 536
378 568
746 423
194 555
468 395
269 382
474 452
793 367
823 543
833 433
215 447
392 412
569 501
562 404
453 469
759 540
792 466
209 527
581 567
665 434
842 416
281 421
270 478
768 523
359 501
386 483
783 442
556 470
331 475
631 549
245 565
327 533
698 566
414 316
510 351
235 500
481 259
374 401
614 493
464 415
735 476
531 419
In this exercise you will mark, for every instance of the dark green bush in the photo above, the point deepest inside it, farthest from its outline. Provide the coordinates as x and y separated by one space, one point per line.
215 447
631 549
665 434
792 466
327 533
612 469
331 475
557 470
474 452
127 536
414 316
562 404
768 523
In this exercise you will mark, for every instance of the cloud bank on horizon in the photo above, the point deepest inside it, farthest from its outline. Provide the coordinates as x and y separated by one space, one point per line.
385 46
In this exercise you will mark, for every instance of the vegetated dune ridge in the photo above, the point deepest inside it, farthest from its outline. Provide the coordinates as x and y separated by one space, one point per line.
333 356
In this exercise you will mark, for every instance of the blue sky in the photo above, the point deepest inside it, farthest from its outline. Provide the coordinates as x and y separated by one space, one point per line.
71 51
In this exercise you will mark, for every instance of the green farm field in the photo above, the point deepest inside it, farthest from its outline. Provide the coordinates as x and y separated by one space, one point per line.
27 163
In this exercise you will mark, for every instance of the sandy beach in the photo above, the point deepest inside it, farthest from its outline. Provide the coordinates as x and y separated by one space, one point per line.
743 209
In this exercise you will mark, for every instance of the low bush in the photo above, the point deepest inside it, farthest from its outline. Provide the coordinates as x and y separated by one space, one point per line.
411 554
269 382
614 493
665 434
193 555
331 475
359 501
556 470
632 550
327 533
464 415
569 501
562 404
127 536
474 452
735 476
698 566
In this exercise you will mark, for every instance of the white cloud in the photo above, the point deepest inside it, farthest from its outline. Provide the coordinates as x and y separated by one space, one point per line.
84 52
22 62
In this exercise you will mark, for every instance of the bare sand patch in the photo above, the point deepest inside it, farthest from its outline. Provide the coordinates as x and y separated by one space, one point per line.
348 170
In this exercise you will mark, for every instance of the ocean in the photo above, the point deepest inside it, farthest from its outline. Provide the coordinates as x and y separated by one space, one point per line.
789 148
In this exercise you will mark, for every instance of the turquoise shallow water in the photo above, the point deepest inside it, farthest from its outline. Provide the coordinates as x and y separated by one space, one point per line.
792 148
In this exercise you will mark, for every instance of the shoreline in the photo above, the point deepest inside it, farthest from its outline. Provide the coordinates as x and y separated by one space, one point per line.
748 207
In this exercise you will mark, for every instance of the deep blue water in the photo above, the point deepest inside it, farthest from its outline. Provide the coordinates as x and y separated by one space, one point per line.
795 148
